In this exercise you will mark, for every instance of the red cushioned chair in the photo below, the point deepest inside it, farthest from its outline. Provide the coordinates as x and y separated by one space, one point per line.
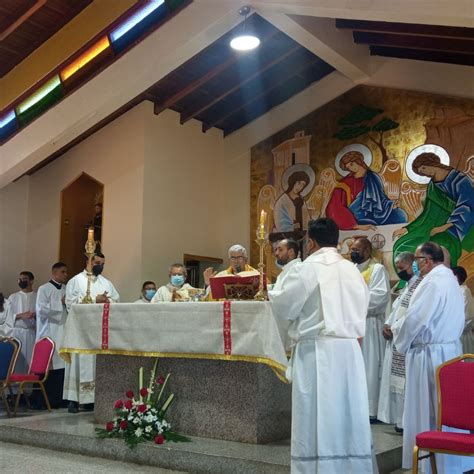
39 369
9 349
455 387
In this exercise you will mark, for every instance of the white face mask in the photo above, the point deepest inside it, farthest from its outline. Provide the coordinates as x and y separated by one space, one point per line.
279 265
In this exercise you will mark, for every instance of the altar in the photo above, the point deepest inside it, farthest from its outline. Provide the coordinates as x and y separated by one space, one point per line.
227 363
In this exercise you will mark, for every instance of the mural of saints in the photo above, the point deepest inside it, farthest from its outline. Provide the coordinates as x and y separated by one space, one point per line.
448 212
358 200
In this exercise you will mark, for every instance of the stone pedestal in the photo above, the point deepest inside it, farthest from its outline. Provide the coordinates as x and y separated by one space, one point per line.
235 401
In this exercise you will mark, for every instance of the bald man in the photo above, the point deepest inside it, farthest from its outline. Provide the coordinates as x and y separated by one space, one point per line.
373 344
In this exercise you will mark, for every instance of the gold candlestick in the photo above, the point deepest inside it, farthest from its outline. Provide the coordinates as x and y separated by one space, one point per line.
90 251
261 240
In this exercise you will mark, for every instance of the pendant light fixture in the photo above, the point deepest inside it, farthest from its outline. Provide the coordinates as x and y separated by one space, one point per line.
245 40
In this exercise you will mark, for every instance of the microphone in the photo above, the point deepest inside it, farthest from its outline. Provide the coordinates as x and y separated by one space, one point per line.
238 269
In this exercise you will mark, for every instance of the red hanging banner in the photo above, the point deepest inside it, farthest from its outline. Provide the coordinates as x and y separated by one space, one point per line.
227 328
105 326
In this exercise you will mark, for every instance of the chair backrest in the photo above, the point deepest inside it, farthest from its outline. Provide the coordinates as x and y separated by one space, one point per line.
455 380
42 354
9 349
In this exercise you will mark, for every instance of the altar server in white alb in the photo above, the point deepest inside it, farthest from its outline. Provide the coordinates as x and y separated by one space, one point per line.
326 300
373 344
51 317
79 383
467 338
392 387
428 335
7 321
22 305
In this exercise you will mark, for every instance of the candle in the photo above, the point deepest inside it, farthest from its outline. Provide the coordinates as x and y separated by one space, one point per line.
263 217
90 233
140 381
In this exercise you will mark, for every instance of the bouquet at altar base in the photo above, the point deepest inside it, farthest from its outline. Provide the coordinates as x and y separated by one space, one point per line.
142 418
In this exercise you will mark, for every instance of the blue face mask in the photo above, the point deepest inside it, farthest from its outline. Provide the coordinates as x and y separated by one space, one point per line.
177 280
415 268
149 294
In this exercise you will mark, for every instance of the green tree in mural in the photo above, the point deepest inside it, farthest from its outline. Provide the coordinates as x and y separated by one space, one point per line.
362 120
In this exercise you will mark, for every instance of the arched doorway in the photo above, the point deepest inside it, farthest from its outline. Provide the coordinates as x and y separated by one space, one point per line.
78 209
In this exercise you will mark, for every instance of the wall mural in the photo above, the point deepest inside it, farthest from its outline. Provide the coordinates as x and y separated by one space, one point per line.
394 166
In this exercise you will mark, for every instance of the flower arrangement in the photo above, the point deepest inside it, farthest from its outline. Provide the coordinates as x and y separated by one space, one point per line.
142 418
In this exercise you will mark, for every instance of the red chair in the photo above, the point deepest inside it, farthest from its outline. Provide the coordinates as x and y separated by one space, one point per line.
9 349
38 372
455 387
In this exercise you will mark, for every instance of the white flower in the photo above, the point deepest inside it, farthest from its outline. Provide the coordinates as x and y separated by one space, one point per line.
136 421
130 417
138 432
148 429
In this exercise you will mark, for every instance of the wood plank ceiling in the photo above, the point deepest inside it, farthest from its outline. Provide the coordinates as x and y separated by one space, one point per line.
227 89
444 44
26 24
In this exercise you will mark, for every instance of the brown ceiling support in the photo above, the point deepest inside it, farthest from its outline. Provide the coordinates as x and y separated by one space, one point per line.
188 115
290 73
406 29
450 45
20 20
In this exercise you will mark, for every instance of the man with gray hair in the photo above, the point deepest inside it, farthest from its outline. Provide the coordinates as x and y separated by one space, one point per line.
177 289
238 263
392 385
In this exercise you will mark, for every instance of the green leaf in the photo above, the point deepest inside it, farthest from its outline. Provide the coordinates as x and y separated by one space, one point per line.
175 437
347 133
384 125
359 113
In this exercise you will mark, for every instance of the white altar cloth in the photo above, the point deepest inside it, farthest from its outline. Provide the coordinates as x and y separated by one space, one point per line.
234 331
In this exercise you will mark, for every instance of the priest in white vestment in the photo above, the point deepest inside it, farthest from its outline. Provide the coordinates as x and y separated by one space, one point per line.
326 300
373 344
177 289
22 304
392 386
148 292
7 321
79 381
51 317
467 338
428 335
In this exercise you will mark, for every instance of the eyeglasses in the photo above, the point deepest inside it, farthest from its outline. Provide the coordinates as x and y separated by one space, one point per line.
417 258
240 257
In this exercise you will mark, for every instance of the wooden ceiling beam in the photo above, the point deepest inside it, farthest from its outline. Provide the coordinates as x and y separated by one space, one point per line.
21 19
188 115
451 45
289 74
189 89
406 29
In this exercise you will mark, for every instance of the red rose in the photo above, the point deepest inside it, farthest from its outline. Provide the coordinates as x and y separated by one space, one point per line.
128 404
130 394
144 392
142 408
123 425
109 426
160 380
159 439
118 404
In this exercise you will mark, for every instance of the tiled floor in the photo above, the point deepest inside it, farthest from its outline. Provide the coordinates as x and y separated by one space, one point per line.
15 458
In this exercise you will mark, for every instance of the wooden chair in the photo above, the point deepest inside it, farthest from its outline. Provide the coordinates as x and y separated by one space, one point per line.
9 349
455 388
38 372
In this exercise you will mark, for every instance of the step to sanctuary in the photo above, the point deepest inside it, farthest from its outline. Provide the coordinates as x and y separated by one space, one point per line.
74 433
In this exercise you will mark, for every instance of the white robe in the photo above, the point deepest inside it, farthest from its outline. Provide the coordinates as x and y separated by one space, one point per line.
373 344
79 379
24 329
390 408
326 300
467 338
428 336
165 293
7 321
51 317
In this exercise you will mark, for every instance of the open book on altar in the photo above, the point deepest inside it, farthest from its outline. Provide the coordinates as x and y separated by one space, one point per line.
243 286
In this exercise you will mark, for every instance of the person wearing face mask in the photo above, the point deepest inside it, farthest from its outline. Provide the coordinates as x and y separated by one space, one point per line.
392 385
325 299
148 292
6 318
373 344
177 288
429 335
22 305
80 374
467 338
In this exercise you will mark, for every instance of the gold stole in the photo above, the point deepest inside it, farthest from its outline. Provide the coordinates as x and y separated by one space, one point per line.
367 273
